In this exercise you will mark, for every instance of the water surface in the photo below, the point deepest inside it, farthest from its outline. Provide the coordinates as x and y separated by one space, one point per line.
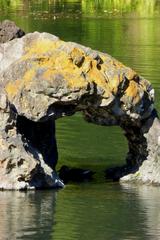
128 30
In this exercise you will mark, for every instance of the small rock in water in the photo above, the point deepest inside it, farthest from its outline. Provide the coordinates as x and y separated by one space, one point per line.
75 174
115 173
9 31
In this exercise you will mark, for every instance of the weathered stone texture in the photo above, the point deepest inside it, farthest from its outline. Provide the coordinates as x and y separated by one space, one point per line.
43 78
9 31
148 170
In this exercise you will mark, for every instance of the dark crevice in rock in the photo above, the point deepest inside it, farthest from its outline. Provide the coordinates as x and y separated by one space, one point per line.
137 144
58 110
40 135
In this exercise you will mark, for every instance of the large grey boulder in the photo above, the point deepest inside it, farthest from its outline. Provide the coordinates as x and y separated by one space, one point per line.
43 78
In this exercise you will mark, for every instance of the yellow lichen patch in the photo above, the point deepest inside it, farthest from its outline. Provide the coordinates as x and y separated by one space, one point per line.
136 99
58 60
70 76
41 47
132 89
87 65
12 88
28 76
114 83
48 74
62 61
76 52
74 80
95 75
104 57
112 76
118 64
62 65
130 74
77 55
75 68
46 62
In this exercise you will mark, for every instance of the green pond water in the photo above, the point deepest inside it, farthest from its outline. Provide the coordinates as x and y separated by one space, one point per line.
129 30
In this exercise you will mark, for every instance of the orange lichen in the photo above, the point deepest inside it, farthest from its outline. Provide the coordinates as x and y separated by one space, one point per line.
113 84
76 68
28 76
130 74
63 61
72 78
48 74
61 64
132 89
77 56
13 87
41 47
95 75
76 52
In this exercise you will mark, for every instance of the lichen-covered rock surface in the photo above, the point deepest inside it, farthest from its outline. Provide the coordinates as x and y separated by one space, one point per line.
43 78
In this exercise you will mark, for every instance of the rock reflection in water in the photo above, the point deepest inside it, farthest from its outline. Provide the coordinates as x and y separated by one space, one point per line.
86 211
149 202
27 215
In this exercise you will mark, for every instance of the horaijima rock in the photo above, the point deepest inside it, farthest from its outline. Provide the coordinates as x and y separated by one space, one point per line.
43 78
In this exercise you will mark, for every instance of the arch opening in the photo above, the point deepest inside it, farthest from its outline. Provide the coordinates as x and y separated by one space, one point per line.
89 146
40 135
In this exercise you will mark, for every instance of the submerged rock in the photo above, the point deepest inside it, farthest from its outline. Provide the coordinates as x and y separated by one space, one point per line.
68 174
43 78
116 173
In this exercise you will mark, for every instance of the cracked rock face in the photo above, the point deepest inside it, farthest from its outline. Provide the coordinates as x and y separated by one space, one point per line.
43 78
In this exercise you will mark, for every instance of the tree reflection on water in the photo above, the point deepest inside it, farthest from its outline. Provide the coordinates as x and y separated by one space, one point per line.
88 8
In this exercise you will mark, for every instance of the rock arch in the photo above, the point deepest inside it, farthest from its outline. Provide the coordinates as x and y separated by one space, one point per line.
43 78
